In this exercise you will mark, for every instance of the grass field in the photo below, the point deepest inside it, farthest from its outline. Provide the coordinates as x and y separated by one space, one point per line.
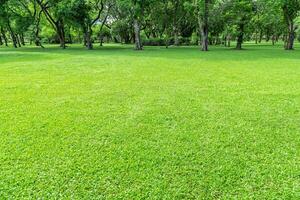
175 123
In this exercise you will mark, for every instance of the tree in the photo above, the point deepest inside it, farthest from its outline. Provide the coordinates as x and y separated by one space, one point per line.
54 12
267 20
136 10
87 14
239 13
202 8
290 10
6 16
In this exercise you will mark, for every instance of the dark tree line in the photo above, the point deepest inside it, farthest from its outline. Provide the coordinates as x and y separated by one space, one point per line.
148 22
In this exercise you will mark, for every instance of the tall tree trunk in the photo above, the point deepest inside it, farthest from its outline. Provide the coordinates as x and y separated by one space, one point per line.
260 36
84 36
1 42
137 35
289 20
4 36
204 36
175 23
290 36
240 37
273 39
18 40
89 44
37 39
203 25
267 37
22 40
256 36
61 33
102 25
176 38
12 35
167 41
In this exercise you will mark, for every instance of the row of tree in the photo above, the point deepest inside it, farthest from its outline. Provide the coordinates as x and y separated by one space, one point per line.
153 22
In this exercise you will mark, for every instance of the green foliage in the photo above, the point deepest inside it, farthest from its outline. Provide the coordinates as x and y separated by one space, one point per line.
291 8
121 29
166 19
239 11
154 42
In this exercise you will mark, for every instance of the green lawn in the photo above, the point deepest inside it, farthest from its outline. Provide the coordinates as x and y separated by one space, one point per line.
175 123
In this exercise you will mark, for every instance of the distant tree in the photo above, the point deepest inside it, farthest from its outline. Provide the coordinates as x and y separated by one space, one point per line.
89 13
290 10
239 13
54 11
202 15
267 20
136 10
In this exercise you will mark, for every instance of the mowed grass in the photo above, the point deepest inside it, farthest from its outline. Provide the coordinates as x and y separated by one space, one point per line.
175 123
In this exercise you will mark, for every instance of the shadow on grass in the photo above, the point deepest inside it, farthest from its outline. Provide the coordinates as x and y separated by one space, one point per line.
250 52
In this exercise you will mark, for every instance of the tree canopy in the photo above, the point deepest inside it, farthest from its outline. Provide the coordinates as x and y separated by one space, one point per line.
148 22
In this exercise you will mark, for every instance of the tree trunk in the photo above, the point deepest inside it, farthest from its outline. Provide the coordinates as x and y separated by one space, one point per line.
203 25
167 41
22 40
290 37
227 40
84 37
204 34
18 40
260 36
256 37
1 42
88 37
58 24
273 39
61 33
240 37
37 39
175 23
89 44
12 35
4 37
267 37
176 38
137 35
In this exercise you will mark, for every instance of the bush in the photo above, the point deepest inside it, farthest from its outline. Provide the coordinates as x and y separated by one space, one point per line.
184 41
162 41
154 42
194 39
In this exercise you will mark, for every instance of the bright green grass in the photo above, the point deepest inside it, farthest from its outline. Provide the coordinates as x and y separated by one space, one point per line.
173 123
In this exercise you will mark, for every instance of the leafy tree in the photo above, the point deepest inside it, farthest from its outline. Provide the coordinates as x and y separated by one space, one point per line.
290 10
54 11
148 22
